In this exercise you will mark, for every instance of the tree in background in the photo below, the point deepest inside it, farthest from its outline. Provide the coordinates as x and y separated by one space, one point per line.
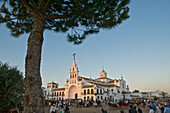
135 91
78 18
11 87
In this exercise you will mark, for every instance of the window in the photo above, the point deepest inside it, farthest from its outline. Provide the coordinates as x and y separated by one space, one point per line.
101 97
118 91
108 90
62 93
92 98
123 85
55 86
97 91
84 98
73 68
91 91
57 93
112 90
100 91
88 91
75 75
87 97
84 91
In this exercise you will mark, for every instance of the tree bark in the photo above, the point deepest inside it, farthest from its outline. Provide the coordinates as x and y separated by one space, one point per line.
33 98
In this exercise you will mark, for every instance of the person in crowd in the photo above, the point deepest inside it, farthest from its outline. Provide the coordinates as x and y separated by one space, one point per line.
162 108
139 110
103 111
132 110
167 108
53 109
121 110
66 110
151 109
158 109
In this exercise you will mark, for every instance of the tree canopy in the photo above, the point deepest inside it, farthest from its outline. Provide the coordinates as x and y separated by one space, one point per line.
136 91
11 87
78 17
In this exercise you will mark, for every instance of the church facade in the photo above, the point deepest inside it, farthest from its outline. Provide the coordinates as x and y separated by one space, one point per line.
84 88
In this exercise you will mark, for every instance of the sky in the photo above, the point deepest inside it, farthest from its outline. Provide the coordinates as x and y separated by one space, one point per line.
139 49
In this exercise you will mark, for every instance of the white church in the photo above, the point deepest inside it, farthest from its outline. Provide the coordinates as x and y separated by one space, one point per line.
79 87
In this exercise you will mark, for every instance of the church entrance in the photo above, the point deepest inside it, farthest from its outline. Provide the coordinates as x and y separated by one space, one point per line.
76 95
72 93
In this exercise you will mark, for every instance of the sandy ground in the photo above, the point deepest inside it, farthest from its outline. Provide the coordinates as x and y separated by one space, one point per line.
97 110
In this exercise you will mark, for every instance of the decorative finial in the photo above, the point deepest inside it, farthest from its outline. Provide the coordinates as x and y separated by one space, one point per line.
121 77
74 56
102 68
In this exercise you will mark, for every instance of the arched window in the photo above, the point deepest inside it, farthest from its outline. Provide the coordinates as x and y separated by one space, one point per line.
100 91
84 91
87 97
101 97
57 93
73 68
123 85
97 91
91 91
107 90
88 91
118 91
84 98
75 75
60 93
92 98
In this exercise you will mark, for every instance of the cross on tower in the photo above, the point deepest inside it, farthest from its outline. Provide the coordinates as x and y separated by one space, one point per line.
74 56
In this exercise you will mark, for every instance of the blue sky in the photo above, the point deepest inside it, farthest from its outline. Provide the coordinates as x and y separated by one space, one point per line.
139 49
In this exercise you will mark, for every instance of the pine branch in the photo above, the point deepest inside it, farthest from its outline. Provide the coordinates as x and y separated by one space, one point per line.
33 4
46 6
51 17
41 4
28 7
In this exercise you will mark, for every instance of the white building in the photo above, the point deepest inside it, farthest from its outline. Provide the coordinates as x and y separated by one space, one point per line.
79 87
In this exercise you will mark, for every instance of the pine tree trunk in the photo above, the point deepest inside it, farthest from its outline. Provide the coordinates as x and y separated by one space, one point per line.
33 98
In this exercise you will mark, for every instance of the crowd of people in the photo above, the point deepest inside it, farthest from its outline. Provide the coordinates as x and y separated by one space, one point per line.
154 106
64 106
133 106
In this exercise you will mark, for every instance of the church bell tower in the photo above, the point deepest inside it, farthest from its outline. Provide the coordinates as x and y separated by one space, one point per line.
73 74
